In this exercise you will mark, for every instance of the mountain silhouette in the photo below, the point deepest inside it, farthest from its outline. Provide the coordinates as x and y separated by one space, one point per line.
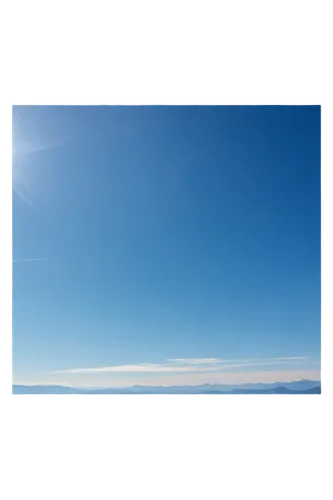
298 387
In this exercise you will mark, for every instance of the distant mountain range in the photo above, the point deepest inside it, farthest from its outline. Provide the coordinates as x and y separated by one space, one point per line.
298 387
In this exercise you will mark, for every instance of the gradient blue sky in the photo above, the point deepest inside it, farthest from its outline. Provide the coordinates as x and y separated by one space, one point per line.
166 233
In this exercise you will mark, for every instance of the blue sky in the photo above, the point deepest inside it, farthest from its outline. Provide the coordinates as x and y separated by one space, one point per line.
144 235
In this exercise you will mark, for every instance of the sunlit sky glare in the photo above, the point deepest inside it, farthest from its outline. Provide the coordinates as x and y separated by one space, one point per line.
166 245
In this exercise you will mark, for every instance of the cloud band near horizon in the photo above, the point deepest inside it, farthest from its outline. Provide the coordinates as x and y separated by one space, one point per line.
179 365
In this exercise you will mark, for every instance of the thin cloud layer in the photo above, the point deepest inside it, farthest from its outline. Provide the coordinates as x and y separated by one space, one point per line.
178 365
198 361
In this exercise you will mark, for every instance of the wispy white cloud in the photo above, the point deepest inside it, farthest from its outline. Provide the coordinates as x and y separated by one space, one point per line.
178 365
201 361
291 358
198 361
143 368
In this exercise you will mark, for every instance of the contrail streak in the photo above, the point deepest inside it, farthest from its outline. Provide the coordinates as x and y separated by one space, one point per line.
21 195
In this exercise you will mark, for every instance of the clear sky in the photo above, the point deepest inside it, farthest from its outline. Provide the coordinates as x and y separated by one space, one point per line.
166 244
